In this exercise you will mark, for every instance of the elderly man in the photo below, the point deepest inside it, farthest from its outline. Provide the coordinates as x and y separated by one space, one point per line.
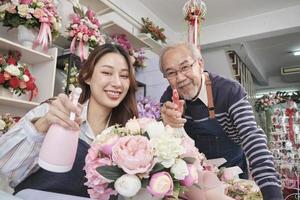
217 116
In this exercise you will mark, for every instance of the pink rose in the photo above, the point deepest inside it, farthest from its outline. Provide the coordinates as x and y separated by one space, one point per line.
106 147
134 154
191 178
38 13
25 2
160 185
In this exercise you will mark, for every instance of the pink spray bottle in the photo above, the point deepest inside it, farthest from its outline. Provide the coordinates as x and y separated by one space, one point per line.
59 148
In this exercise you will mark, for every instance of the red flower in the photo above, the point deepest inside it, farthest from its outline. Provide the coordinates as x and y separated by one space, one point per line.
2 79
27 72
14 82
7 76
23 84
11 61
1 59
30 85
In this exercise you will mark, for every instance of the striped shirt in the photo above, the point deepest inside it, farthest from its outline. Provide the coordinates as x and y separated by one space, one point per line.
20 146
235 115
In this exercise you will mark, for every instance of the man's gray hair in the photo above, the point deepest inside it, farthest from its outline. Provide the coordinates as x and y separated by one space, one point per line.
195 52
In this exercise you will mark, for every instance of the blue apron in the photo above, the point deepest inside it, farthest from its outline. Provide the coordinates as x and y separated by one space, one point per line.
210 137
71 182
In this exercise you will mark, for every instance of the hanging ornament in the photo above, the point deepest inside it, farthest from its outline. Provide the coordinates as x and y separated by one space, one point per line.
290 111
194 12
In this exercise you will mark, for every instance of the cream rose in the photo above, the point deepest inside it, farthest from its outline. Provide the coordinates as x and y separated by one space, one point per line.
128 185
23 10
180 169
2 124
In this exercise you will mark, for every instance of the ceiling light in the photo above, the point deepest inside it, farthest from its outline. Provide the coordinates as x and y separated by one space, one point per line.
296 53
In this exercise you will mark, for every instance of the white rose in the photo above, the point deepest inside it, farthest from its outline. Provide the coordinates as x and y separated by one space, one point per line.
12 70
25 78
128 185
4 7
180 169
155 129
40 4
133 126
93 38
2 124
23 9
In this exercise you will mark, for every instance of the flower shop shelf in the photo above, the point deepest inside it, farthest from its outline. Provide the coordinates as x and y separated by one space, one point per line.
154 45
15 106
28 55
112 28
98 6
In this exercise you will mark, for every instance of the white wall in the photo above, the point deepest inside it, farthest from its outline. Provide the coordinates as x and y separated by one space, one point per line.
152 77
216 61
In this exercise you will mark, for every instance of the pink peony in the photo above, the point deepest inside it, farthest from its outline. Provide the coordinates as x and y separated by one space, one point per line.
160 185
134 154
25 2
106 147
191 178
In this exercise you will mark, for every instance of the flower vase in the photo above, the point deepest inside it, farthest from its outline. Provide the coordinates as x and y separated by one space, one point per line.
26 36
5 92
83 52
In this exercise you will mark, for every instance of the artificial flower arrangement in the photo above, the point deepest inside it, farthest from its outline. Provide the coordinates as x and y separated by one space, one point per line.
194 10
73 77
142 157
155 31
137 55
148 108
15 76
6 122
33 14
84 31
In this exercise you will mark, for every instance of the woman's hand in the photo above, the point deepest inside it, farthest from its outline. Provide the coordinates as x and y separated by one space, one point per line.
172 114
59 113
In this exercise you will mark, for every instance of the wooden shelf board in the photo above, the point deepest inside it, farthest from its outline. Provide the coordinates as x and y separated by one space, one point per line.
16 103
96 5
28 55
112 28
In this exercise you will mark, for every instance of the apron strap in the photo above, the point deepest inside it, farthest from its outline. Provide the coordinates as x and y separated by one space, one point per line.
211 108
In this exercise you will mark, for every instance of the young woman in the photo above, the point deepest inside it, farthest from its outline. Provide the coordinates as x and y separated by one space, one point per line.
108 97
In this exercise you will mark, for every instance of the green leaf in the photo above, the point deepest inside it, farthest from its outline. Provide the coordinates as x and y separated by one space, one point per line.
78 11
189 160
145 182
157 168
110 172
146 135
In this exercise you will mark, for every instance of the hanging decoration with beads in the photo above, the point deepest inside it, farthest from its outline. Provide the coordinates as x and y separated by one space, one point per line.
194 12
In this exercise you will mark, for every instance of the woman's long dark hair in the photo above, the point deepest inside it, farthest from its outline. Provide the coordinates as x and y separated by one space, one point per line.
128 107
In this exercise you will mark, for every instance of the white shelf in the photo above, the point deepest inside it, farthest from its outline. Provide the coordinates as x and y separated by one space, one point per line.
97 6
154 45
16 103
29 56
112 27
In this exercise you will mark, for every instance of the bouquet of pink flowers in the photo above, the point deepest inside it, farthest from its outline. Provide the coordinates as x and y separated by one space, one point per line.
15 76
84 30
143 157
40 14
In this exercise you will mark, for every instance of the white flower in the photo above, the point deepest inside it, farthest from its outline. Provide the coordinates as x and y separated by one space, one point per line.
23 10
133 125
128 185
155 129
25 78
4 7
93 38
180 169
167 149
12 70
2 124
40 4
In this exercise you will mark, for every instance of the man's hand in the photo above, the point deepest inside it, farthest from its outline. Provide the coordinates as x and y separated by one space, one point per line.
171 114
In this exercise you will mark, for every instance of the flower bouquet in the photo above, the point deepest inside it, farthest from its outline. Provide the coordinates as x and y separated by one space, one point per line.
148 108
155 31
137 55
84 31
142 159
15 76
33 14
7 121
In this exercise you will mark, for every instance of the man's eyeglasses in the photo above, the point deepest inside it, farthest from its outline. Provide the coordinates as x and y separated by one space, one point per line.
171 74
